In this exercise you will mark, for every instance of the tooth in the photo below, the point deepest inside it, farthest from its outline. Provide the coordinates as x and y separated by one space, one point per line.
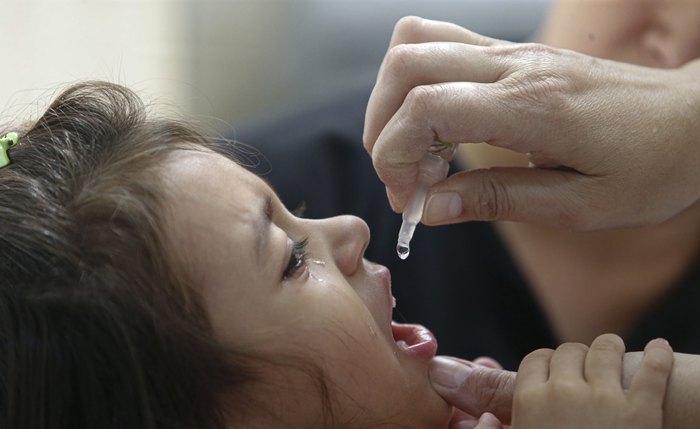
403 344
393 302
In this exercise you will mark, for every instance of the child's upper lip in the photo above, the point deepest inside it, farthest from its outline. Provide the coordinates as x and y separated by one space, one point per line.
382 276
421 342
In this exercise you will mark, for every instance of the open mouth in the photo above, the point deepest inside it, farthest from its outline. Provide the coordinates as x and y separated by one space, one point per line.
415 340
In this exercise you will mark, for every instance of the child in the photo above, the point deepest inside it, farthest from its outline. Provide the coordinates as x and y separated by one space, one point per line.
150 281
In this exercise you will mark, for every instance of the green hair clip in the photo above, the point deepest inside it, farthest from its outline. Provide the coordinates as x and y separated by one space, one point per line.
6 142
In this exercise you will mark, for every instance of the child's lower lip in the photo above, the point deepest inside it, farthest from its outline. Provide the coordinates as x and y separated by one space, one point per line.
414 340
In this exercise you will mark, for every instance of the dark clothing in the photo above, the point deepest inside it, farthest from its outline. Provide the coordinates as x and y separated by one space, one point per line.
459 280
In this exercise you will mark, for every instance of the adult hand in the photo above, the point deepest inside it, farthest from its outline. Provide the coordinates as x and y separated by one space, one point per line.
474 390
610 144
571 387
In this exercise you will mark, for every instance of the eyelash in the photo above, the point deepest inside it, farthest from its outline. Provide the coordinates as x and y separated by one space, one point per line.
297 260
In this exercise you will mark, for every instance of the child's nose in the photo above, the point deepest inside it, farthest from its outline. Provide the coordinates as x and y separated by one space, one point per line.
348 237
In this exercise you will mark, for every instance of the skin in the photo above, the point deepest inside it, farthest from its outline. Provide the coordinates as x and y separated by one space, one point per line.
600 377
333 309
606 281
616 127
562 108
577 387
654 33
583 281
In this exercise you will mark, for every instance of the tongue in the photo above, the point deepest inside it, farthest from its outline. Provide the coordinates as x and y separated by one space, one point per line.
415 339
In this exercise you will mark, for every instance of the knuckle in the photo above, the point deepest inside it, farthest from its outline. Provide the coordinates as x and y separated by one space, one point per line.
608 342
657 363
367 142
398 59
383 165
538 81
530 53
420 99
572 347
564 388
533 55
491 391
539 354
493 198
378 162
605 397
525 396
538 51
408 29
541 89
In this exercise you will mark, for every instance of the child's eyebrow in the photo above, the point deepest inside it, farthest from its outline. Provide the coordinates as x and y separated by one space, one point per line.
262 227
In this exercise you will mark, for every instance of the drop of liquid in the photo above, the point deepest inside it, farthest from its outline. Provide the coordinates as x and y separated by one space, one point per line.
403 251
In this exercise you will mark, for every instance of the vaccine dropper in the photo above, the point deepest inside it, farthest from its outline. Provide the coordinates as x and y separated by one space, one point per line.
431 169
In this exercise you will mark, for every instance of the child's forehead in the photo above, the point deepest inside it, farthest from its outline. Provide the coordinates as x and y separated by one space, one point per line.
199 185
210 168
215 203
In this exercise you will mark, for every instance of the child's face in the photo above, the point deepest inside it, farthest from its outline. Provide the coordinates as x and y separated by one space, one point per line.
333 309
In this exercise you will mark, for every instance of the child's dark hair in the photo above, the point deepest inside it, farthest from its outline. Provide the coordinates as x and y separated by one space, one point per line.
97 328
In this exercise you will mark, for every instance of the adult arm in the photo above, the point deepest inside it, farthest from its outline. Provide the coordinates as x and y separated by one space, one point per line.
476 389
610 144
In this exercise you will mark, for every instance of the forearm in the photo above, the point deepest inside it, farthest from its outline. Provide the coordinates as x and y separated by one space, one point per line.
681 406
475 389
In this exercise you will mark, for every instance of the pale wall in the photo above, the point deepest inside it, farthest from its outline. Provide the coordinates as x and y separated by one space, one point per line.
228 59
51 43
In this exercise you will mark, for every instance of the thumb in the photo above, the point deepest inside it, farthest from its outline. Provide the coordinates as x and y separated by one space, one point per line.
534 195
472 388
488 421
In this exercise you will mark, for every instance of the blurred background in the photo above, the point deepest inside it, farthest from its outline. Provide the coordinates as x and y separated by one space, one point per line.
235 60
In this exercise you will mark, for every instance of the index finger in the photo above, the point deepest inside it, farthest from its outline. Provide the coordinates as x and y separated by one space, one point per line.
412 30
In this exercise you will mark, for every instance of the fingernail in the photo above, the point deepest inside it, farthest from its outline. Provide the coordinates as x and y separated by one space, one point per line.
443 206
662 340
447 373
489 419
464 425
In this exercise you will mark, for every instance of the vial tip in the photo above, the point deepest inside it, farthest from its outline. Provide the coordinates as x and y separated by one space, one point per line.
403 251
